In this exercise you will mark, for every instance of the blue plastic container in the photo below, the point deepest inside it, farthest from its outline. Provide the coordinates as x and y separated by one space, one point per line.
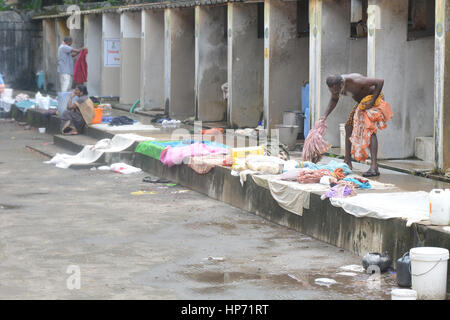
305 97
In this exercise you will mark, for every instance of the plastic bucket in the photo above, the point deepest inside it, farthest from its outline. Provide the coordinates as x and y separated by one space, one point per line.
429 272
288 134
98 113
403 294
440 207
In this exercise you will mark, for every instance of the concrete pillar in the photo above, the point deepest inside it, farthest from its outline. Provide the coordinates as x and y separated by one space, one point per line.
408 73
110 73
442 86
179 63
286 61
77 34
340 54
245 66
315 59
152 59
93 41
50 55
130 57
210 62
61 30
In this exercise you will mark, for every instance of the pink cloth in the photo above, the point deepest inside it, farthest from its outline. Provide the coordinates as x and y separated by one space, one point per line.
315 145
174 156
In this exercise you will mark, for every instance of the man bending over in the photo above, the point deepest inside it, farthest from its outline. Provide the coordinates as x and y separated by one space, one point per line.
370 113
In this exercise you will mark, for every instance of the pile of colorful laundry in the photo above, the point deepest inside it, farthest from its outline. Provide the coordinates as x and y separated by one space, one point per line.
201 156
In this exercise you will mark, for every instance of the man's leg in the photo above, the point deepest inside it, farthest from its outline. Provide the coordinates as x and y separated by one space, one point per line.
374 152
348 145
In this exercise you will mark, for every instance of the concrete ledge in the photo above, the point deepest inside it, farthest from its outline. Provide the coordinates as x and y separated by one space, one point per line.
322 221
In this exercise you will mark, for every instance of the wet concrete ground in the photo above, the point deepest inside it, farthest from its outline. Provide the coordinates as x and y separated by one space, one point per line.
171 243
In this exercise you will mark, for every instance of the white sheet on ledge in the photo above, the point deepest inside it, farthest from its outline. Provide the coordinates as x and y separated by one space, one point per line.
410 206
91 153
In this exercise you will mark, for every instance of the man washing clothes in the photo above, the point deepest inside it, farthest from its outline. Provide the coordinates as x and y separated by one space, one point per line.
65 63
370 113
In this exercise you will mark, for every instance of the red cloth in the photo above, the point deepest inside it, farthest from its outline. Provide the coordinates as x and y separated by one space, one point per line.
80 71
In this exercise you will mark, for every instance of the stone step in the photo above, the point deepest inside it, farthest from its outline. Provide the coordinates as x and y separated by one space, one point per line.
424 148
73 143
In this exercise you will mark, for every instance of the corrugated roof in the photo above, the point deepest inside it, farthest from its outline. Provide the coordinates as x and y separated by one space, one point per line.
141 6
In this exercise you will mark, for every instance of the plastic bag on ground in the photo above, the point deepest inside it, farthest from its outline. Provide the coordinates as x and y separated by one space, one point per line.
124 168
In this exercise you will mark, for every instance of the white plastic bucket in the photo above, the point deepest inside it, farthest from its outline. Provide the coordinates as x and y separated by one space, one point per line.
342 132
7 93
403 294
440 207
429 272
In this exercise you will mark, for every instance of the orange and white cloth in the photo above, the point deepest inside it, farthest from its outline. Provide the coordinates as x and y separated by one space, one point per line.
366 123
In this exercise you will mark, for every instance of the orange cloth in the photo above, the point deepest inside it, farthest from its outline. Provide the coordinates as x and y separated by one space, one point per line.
366 123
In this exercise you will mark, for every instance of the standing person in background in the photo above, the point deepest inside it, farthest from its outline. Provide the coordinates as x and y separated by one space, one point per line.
2 84
65 63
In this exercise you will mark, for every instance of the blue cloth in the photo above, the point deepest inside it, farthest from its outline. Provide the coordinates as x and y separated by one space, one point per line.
361 185
332 165
25 104
184 143
1 79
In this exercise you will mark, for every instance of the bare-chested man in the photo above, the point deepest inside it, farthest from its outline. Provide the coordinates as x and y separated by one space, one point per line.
370 108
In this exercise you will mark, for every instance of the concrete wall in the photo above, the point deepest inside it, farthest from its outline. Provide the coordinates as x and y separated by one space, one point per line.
210 62
20 50
408 70
50 55
152 59
130 57
245 66
179 63
93 41
286 60
340 55
110 80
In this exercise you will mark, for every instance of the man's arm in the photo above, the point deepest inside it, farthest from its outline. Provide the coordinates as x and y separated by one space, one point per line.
378 83
331 105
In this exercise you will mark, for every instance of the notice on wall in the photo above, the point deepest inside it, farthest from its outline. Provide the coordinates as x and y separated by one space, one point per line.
112 53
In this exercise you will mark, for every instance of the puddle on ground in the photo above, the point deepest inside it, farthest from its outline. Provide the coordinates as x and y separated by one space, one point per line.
360 286
222 225
8 206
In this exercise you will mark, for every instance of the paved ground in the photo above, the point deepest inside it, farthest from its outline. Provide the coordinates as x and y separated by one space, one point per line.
171 243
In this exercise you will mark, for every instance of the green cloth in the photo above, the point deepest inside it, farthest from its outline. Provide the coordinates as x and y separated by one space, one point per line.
152 149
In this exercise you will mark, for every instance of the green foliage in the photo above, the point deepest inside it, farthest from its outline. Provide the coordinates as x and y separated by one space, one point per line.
3 6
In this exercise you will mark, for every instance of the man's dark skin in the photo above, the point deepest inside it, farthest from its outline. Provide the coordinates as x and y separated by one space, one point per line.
359 87
75 52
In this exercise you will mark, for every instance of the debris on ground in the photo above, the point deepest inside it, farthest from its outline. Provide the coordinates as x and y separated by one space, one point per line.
140 193
215 258
352 268
325 282
382 261
155 180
